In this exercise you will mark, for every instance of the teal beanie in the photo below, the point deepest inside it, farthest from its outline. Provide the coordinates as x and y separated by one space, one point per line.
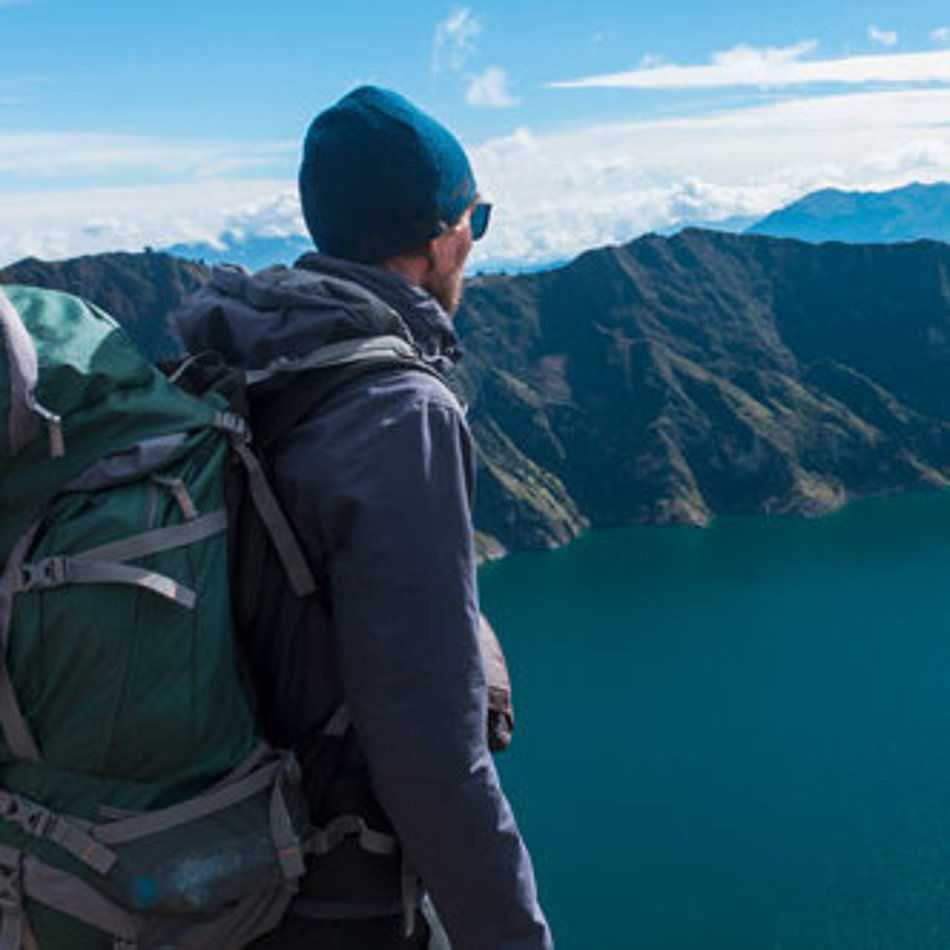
379 177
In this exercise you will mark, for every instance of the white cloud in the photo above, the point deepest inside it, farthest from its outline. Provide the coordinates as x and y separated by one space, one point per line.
776 66
883 37
39 155
55 223
490 89
941 35
454 46
558 194
554 194
455 40
276 215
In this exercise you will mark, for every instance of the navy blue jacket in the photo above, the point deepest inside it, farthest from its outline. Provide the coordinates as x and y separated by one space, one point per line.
378 482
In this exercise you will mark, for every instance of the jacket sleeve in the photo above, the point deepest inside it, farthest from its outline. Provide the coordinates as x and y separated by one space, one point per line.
396 522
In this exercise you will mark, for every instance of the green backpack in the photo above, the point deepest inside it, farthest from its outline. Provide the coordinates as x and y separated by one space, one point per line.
139 806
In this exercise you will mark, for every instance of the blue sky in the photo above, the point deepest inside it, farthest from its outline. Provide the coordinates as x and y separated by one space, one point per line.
124 124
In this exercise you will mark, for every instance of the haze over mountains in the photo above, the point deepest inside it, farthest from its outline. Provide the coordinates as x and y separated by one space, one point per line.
670 379
250 250
902 214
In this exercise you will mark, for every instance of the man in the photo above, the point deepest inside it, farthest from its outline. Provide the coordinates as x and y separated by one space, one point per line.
377 480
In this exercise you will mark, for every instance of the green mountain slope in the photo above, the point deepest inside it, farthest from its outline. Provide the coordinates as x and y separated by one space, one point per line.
139 290
669 380
675 379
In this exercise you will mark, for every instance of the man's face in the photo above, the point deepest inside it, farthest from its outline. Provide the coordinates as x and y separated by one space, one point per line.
447 255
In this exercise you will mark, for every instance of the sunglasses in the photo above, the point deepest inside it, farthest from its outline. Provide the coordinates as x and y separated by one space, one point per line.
478 221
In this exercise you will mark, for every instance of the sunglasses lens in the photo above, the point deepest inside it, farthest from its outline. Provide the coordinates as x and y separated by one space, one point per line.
479 220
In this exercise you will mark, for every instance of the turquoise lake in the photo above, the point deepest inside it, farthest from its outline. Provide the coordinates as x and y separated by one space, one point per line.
737 737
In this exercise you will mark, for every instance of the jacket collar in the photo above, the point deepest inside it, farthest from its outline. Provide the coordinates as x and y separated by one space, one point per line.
430 326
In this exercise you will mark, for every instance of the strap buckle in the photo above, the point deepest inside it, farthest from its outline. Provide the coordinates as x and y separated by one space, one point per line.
11 885
48 572
34 819
37 820
234 425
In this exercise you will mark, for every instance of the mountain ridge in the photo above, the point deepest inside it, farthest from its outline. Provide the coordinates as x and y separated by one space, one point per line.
908 213
675 379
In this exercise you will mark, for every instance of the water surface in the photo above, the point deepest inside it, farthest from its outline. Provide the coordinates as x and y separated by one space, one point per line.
737 737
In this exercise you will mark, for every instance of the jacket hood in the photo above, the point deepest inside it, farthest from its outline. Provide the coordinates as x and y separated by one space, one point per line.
251 319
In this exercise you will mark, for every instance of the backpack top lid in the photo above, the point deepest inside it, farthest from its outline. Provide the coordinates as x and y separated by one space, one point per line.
74 388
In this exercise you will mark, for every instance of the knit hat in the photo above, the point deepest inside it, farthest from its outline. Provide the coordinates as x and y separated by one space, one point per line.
379 177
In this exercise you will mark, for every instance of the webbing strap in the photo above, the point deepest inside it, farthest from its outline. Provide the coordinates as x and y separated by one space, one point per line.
57 571
275 521
141 826
69 571
410 886
102 565
338 723
40 822
284 835
180 493
159 539
332 835
72 896
11 898
16 732
257 757
336 354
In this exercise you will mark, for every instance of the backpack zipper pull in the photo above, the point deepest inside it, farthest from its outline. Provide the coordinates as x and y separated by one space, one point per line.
54 427
181 495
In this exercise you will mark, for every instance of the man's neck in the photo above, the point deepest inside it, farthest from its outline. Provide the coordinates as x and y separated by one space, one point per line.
412 267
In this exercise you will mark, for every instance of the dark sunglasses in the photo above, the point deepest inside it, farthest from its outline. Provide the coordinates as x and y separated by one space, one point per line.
481 215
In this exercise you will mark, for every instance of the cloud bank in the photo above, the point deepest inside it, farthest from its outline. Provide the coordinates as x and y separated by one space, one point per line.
772 67
554 194
73 155
558 194
55 224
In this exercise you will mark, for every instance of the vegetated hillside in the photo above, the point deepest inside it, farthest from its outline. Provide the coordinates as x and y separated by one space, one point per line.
668 380
139 290
671 380
863 217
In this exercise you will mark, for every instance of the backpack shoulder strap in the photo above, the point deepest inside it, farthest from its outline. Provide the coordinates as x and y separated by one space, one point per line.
280 404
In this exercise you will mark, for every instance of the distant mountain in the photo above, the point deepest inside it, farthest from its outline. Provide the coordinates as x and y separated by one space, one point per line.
672 379
253 252
904 214
736 224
